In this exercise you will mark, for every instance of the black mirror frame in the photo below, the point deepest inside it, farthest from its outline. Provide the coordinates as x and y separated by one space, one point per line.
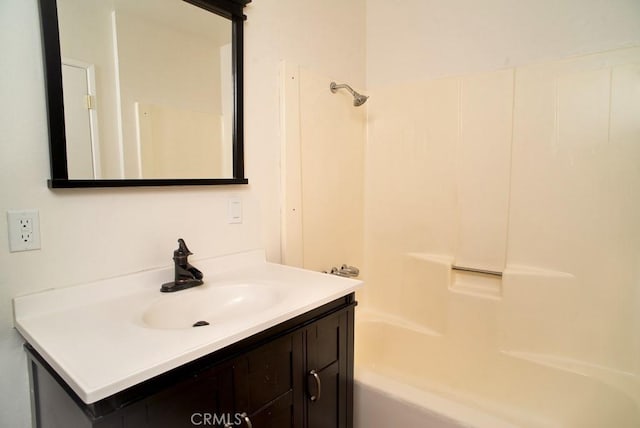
230 9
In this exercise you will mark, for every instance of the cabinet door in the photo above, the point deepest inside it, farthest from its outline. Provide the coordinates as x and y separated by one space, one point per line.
200 400
268 386
279 413
328 373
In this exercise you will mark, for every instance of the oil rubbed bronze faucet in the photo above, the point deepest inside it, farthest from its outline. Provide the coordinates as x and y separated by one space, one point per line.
186 275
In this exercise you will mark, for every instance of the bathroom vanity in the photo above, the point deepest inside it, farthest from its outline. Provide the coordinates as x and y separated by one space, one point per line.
104 359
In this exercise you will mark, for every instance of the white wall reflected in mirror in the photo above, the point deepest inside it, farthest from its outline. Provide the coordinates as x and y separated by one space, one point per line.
162 102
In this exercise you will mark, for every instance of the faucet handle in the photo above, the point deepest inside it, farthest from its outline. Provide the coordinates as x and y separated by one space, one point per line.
182 259
182 247
351 271
181 253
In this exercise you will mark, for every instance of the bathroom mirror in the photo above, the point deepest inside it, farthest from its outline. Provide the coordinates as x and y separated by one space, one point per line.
144 92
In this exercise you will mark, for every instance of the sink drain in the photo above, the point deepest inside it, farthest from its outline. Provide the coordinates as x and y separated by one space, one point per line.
200 323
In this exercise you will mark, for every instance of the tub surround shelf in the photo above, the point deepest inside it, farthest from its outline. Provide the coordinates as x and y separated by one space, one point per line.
96 339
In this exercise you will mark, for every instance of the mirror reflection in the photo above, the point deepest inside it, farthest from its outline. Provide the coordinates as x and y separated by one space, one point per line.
148 89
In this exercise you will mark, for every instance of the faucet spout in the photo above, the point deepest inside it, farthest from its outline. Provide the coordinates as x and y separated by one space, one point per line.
186 275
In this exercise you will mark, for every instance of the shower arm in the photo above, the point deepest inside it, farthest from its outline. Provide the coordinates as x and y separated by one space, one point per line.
334 87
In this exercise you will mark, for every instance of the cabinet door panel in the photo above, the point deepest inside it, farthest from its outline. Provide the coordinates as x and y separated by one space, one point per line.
184 405
52 406
327 355
324 410
277 414
323 342
263 375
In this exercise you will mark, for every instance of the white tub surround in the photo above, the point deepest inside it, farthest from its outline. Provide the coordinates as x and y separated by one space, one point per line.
444 382
97 338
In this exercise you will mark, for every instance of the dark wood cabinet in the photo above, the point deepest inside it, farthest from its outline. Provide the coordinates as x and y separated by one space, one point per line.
296 374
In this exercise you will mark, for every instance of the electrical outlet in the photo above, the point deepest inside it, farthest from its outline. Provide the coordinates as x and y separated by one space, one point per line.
24 230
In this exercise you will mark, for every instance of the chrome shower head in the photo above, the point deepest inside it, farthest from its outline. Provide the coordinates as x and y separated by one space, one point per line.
358 99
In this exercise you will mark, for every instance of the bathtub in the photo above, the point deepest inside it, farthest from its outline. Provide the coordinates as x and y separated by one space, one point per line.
408 376
381 402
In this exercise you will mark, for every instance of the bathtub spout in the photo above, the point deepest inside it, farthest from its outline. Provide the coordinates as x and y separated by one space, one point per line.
345 271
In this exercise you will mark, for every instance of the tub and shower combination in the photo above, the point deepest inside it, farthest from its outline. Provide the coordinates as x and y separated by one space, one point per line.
531 172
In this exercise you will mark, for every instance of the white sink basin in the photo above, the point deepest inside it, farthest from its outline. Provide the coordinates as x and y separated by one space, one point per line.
213 304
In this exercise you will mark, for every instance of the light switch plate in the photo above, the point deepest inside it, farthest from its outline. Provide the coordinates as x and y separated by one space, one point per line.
234 211
24 230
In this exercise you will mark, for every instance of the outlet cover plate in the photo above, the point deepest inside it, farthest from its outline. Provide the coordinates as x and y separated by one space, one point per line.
24 230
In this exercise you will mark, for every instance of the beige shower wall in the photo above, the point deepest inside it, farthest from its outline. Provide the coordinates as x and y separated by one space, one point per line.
575 205
323 161
532 171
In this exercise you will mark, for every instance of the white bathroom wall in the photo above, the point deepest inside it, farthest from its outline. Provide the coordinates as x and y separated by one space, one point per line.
409 40
92 234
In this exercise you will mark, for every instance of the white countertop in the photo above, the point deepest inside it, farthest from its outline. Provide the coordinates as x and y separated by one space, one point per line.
96 339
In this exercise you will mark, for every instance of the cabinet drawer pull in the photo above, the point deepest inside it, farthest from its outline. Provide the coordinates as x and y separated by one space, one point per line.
246 419
318 386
